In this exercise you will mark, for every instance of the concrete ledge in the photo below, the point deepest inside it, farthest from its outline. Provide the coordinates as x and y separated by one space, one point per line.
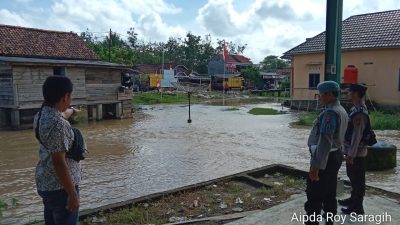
284 214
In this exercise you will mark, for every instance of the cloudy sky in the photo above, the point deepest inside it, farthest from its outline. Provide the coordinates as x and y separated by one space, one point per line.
267 26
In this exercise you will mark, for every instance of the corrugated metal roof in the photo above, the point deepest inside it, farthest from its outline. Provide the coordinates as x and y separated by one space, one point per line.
373 30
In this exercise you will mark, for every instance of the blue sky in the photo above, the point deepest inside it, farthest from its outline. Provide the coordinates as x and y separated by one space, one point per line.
266 26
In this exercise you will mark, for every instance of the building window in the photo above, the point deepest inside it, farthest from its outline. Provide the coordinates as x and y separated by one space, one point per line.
59 71
313 80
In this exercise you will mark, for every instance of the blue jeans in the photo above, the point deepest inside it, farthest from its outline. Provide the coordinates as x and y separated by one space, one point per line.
55 212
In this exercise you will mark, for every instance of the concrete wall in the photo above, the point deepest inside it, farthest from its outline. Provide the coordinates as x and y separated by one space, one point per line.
379 68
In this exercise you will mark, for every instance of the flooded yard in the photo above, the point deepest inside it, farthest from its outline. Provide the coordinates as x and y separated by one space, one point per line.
159 150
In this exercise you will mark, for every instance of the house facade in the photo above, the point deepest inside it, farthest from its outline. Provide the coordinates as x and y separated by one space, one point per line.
28 56
225 74
233 64
370 42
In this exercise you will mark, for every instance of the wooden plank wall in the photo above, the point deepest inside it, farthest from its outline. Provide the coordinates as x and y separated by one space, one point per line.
102 85
91 86
127 108
77 76
28 82
6 86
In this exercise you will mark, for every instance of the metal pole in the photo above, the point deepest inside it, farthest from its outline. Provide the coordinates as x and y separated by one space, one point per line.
223 79
189 120
162 67
109 47
333 41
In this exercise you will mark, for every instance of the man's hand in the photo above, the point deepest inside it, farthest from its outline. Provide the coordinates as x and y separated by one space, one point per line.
349 160
314 174
73 202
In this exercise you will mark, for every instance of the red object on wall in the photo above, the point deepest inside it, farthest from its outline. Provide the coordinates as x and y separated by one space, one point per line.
350 75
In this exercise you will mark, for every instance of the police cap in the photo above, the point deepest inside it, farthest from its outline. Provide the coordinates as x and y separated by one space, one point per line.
358 88
328 86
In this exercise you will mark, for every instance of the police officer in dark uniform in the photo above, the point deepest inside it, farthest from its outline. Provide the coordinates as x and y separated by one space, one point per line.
326 143
356 149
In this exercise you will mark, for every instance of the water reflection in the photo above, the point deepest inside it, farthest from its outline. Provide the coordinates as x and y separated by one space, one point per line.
131 158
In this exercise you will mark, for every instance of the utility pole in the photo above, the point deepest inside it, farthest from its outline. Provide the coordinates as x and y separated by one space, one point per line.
109 47
162 67
333 41
223 79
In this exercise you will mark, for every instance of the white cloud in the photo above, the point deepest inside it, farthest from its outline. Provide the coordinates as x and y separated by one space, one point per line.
97 15
23 1
157 6
275 26
152 28
12 18
267 26
119 15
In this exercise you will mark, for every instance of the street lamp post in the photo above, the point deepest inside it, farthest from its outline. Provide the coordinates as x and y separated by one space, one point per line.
189 120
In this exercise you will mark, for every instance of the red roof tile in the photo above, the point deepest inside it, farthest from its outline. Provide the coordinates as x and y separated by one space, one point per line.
238 59
29 42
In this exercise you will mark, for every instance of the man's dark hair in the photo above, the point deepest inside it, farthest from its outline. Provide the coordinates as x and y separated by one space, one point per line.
55 87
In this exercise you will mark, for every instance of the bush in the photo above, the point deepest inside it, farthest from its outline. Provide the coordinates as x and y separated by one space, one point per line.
305 119
264 111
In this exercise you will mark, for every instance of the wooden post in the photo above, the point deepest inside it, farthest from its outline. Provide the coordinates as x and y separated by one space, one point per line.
3 121
190 119
15 118
99 112
118 110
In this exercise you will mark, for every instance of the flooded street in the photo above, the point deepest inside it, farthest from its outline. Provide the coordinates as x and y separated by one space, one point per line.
131 158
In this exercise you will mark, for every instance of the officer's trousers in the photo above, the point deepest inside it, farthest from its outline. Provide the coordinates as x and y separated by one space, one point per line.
322 194
356 174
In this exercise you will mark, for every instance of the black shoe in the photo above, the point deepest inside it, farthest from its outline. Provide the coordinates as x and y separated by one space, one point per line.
359 210
346 202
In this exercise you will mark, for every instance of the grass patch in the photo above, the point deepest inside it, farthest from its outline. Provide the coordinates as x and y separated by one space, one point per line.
379 120
264 111
152 98
305 119
385 121
284 94
231 109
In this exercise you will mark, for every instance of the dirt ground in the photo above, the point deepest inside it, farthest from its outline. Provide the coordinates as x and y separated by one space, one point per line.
214 200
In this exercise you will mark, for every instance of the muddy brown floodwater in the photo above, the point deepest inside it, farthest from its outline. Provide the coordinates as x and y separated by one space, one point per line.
160 151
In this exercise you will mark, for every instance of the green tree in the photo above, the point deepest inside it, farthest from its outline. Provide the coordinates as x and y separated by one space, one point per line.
193 51
233 48
132 37
252 74
271 63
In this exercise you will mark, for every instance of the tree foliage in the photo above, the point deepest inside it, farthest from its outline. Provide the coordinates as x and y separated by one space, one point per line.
192 51
271 63
253 75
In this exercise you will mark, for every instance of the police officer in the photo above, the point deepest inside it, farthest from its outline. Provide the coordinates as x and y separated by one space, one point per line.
325 143
356 150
